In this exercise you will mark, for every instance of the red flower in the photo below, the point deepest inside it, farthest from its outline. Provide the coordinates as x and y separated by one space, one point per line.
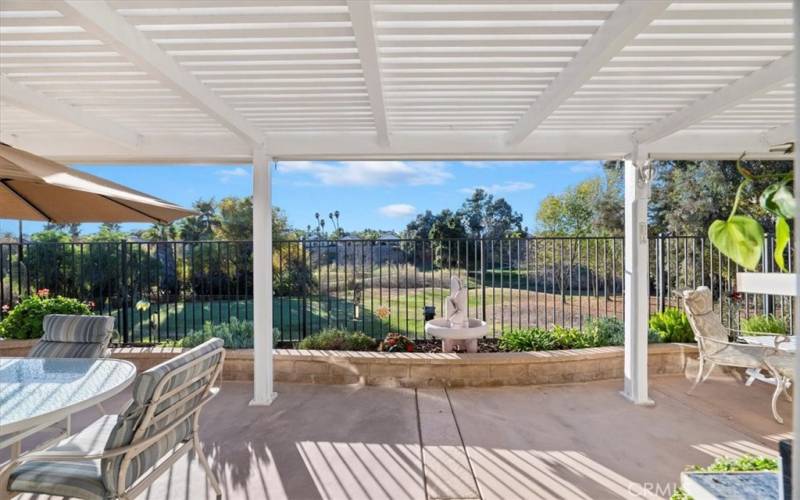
43 292
410 347
391 341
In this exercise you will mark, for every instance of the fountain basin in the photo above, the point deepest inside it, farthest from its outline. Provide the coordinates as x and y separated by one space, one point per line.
440 328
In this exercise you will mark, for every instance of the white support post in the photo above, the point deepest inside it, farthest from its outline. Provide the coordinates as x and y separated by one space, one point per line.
796 299
637 192
263 393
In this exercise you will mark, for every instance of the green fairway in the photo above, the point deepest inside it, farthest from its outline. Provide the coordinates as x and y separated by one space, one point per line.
295 317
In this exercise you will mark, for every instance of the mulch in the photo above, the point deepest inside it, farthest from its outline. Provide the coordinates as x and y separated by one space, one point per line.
433 346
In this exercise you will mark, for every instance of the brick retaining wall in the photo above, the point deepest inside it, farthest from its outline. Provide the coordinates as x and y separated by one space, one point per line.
421 369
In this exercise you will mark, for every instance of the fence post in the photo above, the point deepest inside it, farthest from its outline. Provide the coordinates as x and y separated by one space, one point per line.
124 290
766 264
660 271
483 279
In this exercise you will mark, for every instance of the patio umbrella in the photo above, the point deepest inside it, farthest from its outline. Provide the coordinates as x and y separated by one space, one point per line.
35 188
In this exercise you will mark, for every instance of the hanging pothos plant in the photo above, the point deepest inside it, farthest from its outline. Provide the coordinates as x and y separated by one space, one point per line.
741 237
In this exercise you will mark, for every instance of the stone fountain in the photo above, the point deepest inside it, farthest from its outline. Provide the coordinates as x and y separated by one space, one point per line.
458 332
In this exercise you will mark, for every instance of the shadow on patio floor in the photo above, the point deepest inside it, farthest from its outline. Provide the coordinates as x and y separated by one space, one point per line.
572 441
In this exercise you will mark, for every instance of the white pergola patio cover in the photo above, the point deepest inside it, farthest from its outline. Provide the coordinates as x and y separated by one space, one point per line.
238 80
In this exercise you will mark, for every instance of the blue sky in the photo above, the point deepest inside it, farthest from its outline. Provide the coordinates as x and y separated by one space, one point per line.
379 195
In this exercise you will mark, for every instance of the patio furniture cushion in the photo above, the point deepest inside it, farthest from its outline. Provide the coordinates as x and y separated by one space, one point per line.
80 479
143 393
45 349
72 336
75 328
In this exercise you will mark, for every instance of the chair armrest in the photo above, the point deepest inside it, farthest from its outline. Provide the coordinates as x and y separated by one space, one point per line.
755 348
69 456
760 334
779 337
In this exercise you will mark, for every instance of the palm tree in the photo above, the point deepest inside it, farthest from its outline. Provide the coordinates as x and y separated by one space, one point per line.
165 253
334 216
202 226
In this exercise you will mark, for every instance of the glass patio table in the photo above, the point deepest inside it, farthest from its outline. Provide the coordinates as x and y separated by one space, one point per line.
37 393
788 344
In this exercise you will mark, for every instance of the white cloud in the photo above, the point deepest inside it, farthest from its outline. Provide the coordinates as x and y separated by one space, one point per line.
225 175
585 167
398 210
477 164
506 187
370 173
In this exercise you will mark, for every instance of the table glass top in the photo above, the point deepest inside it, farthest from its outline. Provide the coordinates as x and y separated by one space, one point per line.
32 387
788 344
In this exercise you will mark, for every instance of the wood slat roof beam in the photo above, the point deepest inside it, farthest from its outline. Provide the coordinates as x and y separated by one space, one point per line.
622 26
364 29
769 77
42 104
102 21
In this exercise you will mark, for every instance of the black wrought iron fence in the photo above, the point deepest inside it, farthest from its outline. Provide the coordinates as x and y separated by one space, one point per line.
165 290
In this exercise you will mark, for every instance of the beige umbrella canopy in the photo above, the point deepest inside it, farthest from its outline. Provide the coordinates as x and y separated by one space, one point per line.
35 188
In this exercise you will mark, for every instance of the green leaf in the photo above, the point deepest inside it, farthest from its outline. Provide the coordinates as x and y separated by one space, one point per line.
778 200
781 241
740 238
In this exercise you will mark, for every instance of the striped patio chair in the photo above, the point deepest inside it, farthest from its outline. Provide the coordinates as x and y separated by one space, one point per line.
120 456
72 336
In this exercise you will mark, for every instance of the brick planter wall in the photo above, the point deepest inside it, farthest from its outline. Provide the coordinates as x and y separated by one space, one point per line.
420 369
10 348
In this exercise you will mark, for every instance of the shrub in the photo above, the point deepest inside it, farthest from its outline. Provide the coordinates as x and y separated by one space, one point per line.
394 342
338 340
24 321
530 339
672 325
236 334
572 338
745 463
606 331
764 323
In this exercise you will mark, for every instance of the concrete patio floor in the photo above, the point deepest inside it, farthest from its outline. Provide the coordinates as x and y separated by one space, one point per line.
571 441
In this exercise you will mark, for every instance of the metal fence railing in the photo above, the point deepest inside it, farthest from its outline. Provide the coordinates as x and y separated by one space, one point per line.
164 290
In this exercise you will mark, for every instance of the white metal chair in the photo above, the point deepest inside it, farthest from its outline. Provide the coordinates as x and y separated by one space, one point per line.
713 339
120 456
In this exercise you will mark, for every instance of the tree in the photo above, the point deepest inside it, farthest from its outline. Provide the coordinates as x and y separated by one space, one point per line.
420 227
201 226
368 234
235 219
160 232
73 229
107 232
448 231
593 207
687 196
609 211
486 217
571 213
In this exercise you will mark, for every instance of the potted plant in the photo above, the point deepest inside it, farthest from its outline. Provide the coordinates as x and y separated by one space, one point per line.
741 237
